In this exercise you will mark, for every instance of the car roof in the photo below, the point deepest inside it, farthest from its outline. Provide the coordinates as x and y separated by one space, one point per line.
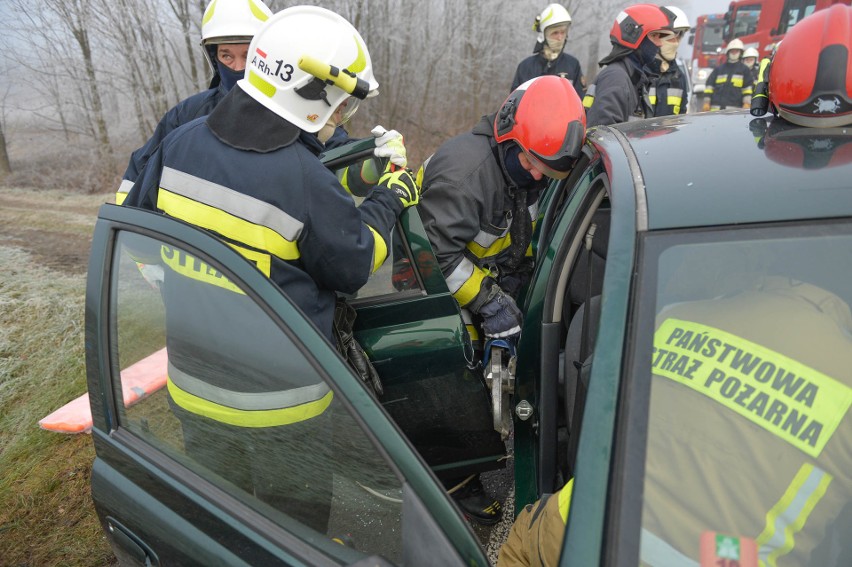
728 167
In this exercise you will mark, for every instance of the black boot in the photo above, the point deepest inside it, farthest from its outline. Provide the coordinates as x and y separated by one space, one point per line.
476 504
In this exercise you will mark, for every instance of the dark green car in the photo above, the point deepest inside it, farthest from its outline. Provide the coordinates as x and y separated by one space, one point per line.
700 407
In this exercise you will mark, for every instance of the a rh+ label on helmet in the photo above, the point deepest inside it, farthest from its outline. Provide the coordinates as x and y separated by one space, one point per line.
278 68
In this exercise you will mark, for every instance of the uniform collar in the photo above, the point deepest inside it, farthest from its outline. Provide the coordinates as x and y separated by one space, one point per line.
241 122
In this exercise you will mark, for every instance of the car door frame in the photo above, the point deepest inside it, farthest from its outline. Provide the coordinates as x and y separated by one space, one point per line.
125 464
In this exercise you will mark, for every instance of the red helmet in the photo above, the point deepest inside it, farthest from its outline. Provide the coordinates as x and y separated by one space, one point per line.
802 148
810 81
634 23
546 118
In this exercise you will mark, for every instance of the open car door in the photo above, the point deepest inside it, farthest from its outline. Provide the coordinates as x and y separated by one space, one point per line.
175 483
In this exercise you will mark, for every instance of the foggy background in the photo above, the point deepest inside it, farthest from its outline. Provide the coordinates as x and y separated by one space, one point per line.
84 82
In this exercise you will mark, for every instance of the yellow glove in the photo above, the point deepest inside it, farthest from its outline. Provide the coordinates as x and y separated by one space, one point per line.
747 105
706 106
401 182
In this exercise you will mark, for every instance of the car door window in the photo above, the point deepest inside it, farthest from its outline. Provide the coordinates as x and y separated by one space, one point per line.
746 352
397 274
243 405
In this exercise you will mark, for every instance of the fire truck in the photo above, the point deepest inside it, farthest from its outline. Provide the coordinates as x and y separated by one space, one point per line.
762 23
707 40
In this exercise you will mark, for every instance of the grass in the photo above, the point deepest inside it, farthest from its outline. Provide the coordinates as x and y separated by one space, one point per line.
46 512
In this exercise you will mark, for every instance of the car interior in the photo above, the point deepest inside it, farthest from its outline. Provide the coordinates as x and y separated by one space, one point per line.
578 283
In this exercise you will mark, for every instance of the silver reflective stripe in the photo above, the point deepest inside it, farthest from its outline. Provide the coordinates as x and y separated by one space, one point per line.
533 209
467 318
247 400
652 92
657 553
240 205
675 92
460 275
796 504
485 239
125 187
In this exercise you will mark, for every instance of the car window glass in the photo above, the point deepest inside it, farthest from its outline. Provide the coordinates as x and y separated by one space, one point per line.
398 272
748 432
233 398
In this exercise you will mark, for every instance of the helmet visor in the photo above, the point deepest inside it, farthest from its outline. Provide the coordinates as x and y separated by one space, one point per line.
346 109
546 169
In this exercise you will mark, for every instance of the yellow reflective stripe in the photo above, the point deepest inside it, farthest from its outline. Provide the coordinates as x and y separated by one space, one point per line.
565 499
261 84
470 288
721 79
588 101
794 402
193 268
791 512
673 100
499 244
248 418
219 221
467 319
380 249
123 189
262 260
257 12
343 177
737 80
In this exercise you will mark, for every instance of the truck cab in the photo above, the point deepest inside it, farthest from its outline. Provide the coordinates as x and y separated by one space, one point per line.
763 23
707 40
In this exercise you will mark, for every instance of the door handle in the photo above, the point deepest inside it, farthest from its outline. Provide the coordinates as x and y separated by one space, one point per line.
128 548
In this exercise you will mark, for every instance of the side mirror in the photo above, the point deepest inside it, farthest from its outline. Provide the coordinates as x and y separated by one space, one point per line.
691 39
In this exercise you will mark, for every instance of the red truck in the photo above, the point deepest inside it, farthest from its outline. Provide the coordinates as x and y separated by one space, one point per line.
707 40
762 23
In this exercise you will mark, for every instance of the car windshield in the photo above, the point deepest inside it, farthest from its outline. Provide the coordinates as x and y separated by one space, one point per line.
748 443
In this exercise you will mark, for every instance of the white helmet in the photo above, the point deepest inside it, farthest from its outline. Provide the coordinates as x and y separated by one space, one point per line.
681 22
304 62
751 52
231 21
735 44
552 15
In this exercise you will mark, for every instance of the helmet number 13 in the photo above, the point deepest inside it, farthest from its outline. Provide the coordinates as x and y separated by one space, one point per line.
283 71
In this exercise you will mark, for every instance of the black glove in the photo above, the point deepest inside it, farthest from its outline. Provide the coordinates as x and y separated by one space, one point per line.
501 317
348 347
402 183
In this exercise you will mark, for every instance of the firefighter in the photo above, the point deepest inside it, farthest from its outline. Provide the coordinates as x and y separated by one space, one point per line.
249 174
751 59
226 31
549 56
620 91
730 84
669 93
480 198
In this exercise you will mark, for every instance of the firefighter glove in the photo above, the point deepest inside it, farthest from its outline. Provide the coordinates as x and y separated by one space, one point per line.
501 317
706 106
389 144
401 182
